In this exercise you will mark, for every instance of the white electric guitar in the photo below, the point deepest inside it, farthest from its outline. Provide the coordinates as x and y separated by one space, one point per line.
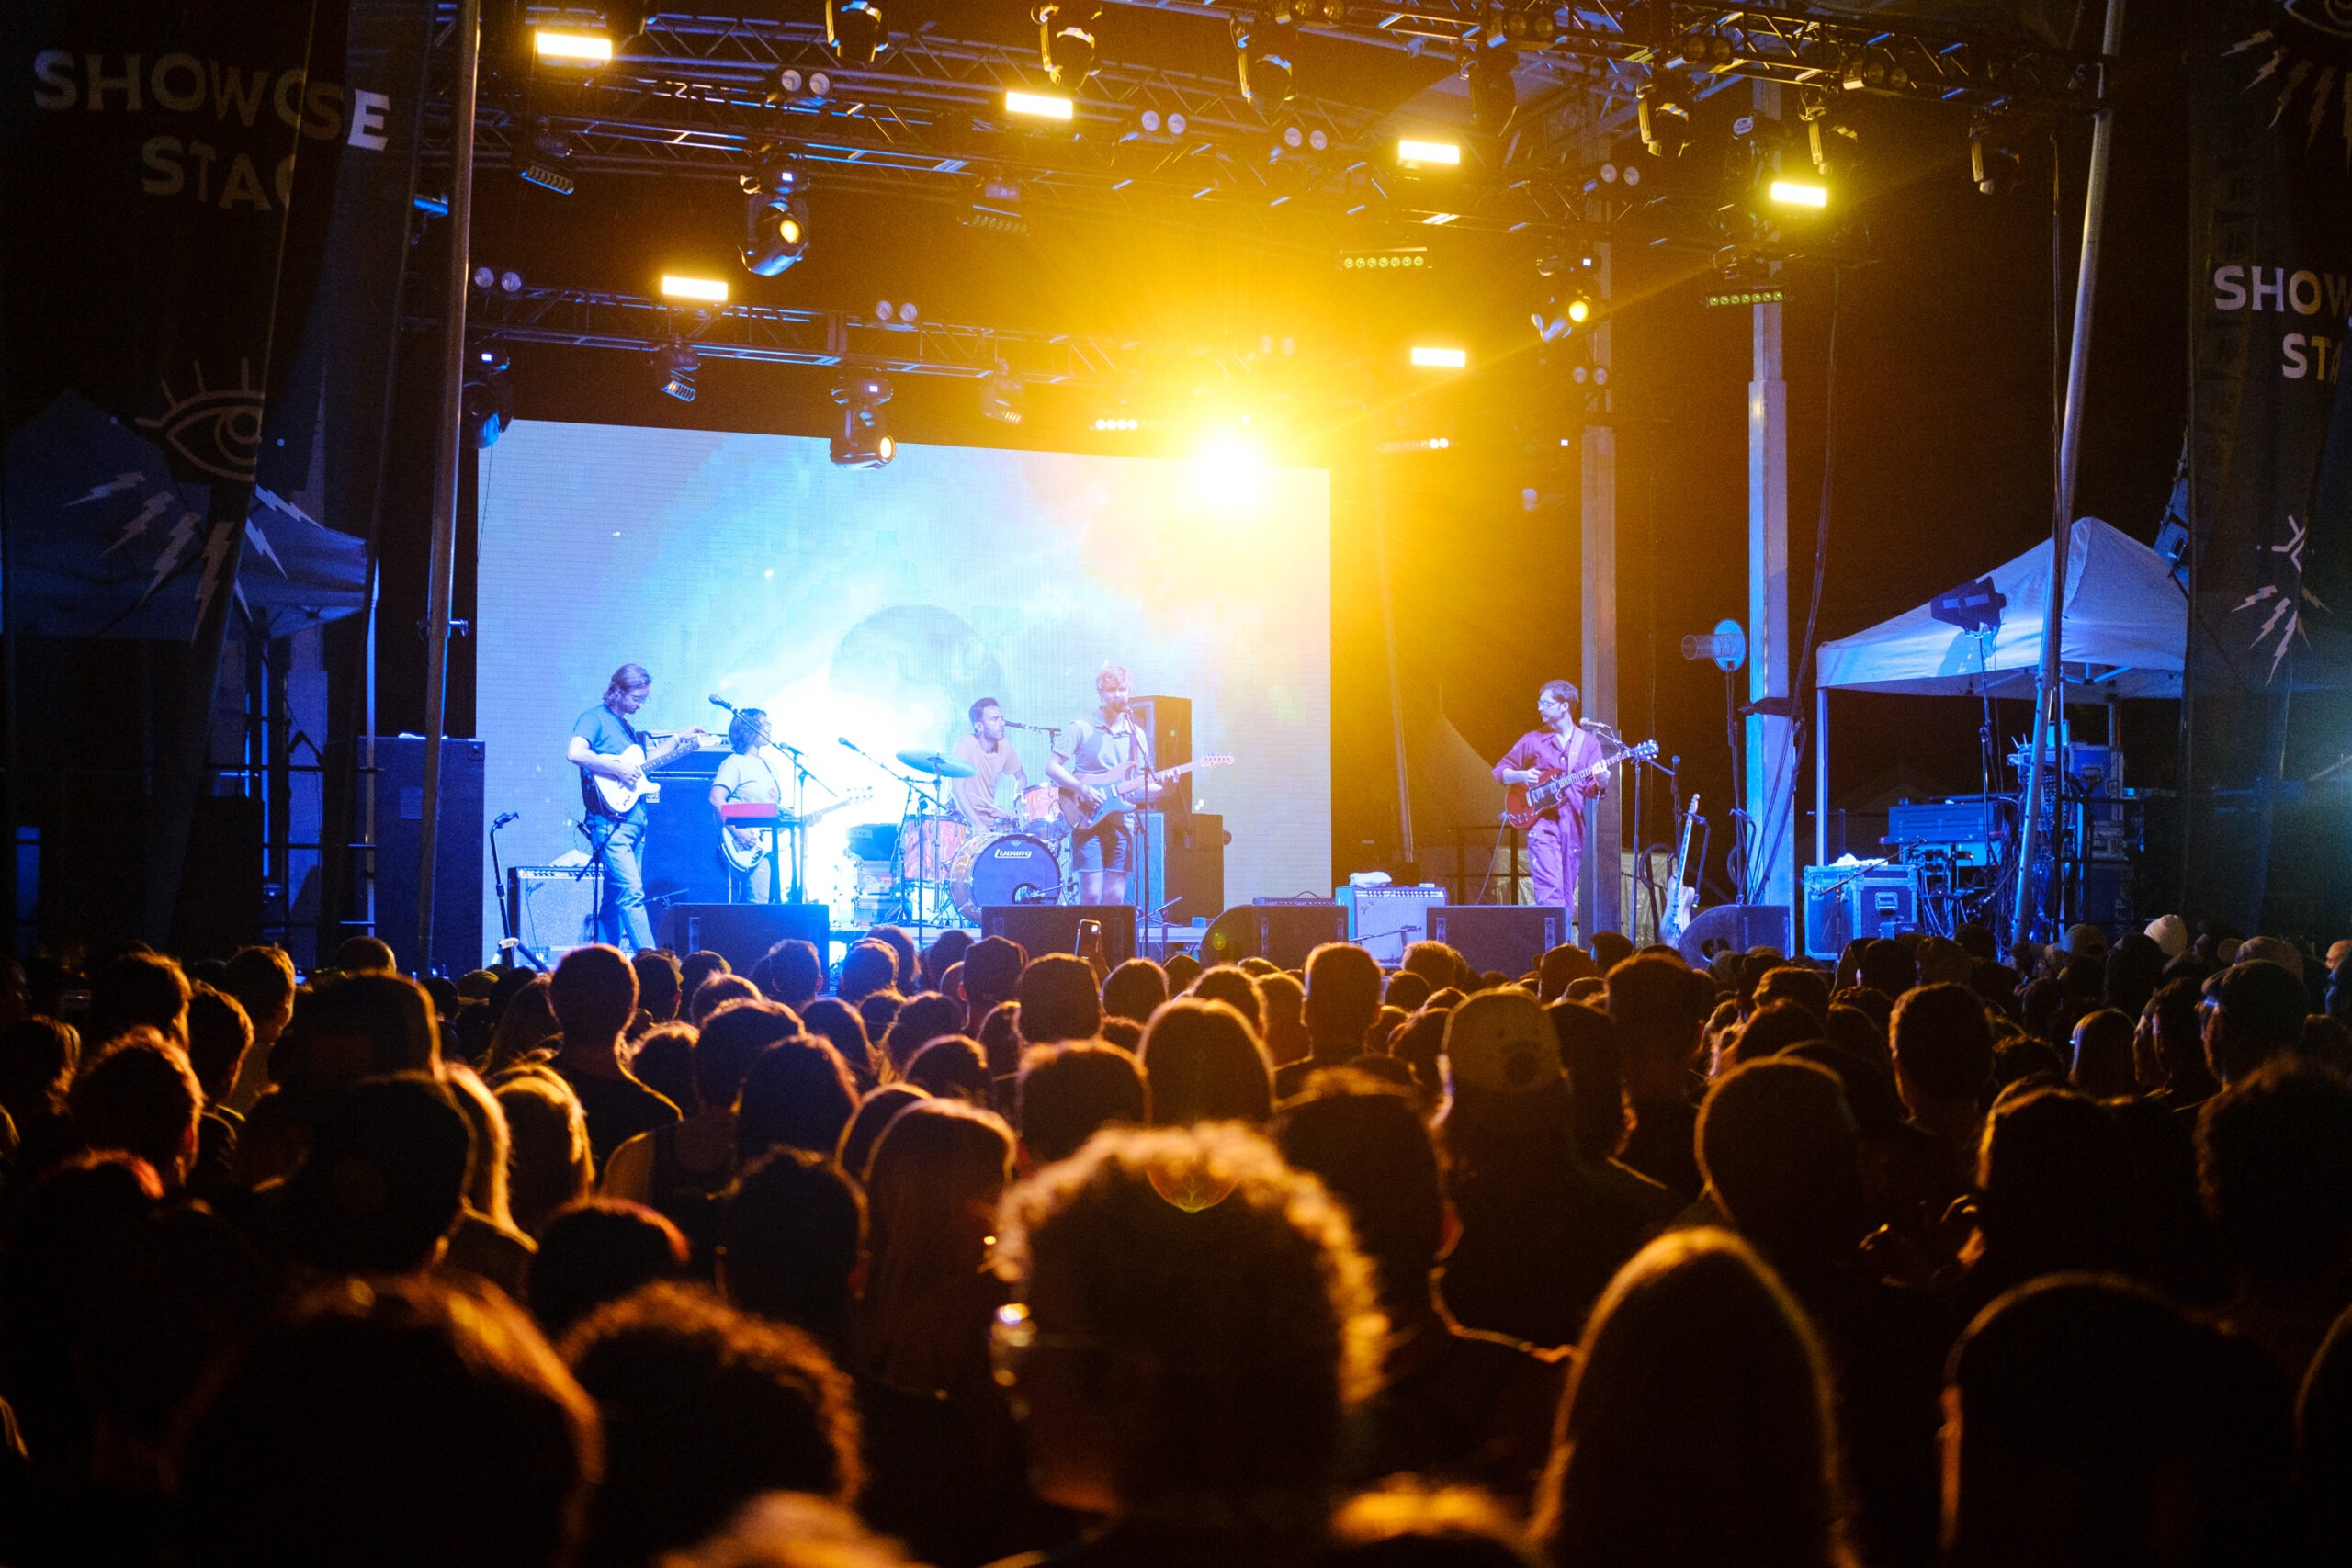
622 798
743 834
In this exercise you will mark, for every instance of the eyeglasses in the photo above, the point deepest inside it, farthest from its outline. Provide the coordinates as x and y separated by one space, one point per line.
1014 1333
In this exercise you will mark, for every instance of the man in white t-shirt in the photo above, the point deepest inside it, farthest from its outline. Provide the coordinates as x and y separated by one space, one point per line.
748 773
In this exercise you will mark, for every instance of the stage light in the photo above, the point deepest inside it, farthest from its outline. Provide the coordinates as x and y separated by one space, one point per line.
701 290
1066 41
1413 151
547 179
486 400
901 314
1664 120
1266 47
1992 164
776 220
1408 258
1435 358
997 211
855 30
576 49
1727 646
1001 395
1825 130
1769 295
1230 471
863 441
1039 105
1493 96
677 363
1800 193
1439 220
1112 422
1562 313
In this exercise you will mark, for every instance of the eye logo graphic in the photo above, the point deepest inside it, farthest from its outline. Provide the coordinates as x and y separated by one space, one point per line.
217 430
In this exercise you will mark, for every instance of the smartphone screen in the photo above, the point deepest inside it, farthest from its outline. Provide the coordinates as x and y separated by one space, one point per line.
1089 933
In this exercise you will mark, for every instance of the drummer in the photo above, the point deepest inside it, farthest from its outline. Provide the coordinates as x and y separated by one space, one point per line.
991 798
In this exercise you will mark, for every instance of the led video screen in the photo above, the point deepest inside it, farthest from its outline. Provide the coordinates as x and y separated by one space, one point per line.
875 605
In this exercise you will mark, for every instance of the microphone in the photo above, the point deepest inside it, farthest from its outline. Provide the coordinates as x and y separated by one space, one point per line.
504 819
722 701
846 741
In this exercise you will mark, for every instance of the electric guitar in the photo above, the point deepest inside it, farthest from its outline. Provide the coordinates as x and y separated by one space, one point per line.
620 798
1525 803
1121 787
746 849
1681 893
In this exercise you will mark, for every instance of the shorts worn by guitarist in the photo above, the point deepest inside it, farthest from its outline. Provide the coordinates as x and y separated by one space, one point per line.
601 747
1556 843
1106 740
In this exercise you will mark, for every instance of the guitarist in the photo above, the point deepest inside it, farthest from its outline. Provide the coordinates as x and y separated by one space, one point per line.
1556 844
598 742
1106 740
748 774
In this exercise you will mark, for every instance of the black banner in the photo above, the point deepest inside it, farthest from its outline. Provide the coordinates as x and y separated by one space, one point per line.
2270 511
188 165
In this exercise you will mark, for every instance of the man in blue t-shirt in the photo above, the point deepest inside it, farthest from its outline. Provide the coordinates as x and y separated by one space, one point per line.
599 748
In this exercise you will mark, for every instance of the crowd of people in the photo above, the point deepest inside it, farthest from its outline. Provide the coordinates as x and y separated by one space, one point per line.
955 1256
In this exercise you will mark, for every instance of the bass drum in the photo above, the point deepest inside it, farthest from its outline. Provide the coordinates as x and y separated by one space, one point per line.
1003 868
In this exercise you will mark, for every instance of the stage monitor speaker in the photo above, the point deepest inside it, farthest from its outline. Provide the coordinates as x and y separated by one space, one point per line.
1508 938
742 933
682 861
1736 926
1282 933
1052 927
1169 722
1846 902
553 907
399 810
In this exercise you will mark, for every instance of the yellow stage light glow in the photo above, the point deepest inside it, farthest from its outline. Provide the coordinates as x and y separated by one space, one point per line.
1439 220
1230 473
1039 105
1800 193
703 291
553 44
1579 310
1441 358
1409 151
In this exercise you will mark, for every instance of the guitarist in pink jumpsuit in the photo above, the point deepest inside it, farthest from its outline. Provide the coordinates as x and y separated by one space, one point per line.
1556 843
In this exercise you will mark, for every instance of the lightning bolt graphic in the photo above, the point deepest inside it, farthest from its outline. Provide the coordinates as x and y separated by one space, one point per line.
2267 71
120 482
2254 42
272 499
157 504
2295 79
260 541
216 553
175 550
2320 97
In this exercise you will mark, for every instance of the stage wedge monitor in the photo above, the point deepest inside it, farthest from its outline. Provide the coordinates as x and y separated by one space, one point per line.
1509 938
1052 927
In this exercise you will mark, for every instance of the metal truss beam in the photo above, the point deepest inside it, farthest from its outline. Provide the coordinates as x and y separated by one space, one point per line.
581 319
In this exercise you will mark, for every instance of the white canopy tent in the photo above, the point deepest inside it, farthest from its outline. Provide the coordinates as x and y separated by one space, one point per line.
2123 633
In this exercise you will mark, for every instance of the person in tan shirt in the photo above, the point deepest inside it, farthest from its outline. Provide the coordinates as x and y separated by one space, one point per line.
991 799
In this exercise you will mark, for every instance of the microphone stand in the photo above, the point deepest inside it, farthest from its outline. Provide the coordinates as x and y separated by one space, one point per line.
921 806
801 778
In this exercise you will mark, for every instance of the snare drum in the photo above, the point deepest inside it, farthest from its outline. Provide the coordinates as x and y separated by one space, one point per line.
1003 868
927 847
1041 810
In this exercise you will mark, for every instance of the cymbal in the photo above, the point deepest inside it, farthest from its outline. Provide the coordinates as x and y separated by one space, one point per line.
938 764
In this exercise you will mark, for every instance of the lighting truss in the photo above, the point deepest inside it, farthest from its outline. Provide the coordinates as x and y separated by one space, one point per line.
692 98
1765 43
582 318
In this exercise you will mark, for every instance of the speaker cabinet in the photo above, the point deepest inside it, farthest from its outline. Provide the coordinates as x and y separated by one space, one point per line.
1382 920
1843 902
1508 938
742 933
1739 926
398 785
1183 865
1052 927
1169 722
1284 934
553 907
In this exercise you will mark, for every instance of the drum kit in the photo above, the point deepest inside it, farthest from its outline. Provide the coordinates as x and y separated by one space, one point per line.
943 872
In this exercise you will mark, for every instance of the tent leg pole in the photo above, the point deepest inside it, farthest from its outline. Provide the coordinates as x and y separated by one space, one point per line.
1820 775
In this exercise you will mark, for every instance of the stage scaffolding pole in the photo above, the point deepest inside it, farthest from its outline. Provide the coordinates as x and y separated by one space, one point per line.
1600 881
2049 698
1405 849
1768 864
446 466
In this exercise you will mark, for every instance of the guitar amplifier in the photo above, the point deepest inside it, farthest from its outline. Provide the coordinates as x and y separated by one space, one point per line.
1511 937
553 907
1385 921
1846 903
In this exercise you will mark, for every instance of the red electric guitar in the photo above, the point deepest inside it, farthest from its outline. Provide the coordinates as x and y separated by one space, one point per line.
1525 803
